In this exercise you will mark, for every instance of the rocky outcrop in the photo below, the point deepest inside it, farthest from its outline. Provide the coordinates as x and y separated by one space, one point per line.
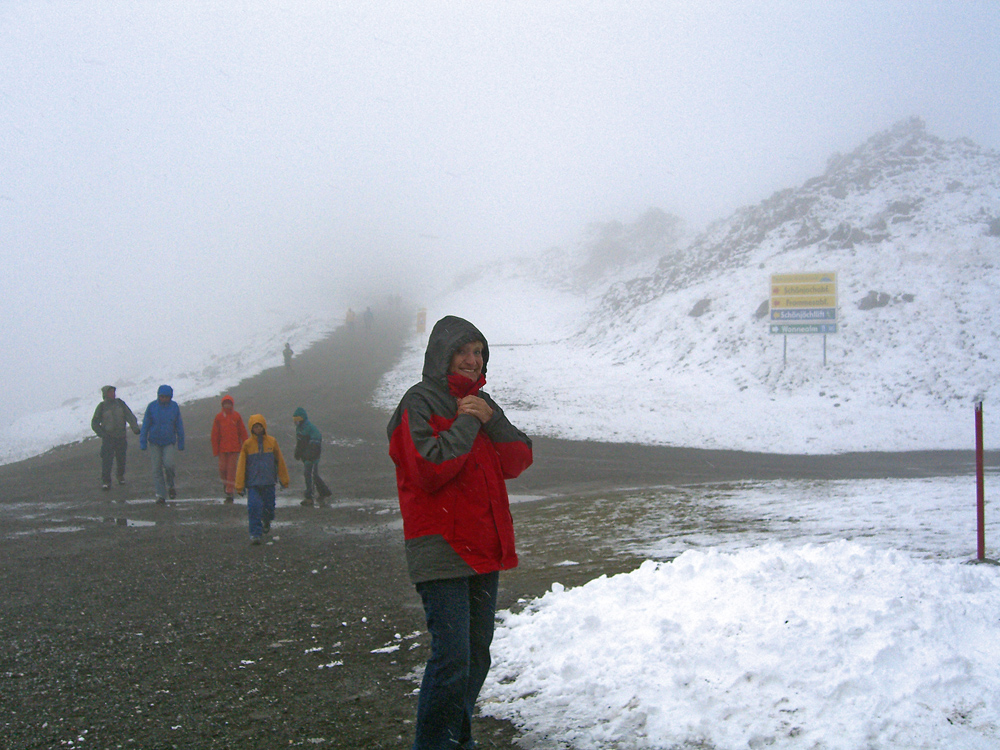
899 184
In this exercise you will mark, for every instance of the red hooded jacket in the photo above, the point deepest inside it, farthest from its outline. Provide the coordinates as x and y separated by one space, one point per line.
451 470
228 431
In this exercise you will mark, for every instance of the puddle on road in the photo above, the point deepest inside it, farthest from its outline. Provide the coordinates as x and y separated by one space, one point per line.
32 511
280 501
933 518
343 442
74 527
45 517
49 530
131 522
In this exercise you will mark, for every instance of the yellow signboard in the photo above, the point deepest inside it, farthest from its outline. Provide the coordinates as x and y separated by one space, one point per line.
804 302
793 290
800 302
804 278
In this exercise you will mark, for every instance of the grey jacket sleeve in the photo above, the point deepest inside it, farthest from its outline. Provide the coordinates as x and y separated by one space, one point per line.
130 418
95 423
443 445
499 429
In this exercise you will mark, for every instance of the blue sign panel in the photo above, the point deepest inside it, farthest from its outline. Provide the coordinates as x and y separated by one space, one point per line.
789 328
820 313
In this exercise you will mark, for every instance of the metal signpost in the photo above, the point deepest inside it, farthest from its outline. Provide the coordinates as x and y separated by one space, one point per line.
980 487
804 303
980 493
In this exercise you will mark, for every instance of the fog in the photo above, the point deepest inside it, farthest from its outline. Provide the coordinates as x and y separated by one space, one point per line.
169 170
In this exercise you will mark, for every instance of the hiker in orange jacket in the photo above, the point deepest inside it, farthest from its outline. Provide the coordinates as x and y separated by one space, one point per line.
228 435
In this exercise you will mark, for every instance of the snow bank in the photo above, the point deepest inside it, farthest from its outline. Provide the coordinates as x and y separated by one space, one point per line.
814 646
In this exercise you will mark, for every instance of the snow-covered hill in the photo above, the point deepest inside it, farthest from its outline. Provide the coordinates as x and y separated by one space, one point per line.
677 350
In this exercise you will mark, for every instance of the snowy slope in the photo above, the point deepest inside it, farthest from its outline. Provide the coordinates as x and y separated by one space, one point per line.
257 350
914 219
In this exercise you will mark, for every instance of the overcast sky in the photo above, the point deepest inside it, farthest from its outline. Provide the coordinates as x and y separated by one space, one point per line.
163 164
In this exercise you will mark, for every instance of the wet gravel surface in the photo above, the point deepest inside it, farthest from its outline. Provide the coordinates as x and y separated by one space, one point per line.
131 625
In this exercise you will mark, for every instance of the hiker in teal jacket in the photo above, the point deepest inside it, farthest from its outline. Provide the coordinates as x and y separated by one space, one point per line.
308 447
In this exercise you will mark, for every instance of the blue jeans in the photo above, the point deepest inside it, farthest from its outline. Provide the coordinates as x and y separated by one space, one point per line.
310 470
163 465
260 507
460 614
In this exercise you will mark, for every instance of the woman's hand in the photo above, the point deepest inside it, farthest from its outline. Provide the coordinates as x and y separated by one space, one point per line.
475 406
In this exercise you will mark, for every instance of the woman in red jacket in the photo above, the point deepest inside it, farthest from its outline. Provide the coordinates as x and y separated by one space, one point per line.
228 435
453 449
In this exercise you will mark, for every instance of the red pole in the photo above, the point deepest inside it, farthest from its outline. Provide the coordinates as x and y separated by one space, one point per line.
980 489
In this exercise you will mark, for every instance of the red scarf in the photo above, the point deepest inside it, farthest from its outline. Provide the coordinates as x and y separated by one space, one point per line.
460 386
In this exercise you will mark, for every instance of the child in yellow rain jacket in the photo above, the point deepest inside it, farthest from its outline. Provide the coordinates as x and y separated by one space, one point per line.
259 468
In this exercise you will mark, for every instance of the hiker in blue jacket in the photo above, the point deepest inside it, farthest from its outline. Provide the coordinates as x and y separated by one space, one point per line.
163 433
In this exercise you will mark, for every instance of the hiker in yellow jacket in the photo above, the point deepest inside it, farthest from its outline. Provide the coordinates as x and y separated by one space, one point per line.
259 468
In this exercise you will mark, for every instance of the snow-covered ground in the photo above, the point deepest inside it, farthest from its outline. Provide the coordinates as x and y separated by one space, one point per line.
833 615
552 379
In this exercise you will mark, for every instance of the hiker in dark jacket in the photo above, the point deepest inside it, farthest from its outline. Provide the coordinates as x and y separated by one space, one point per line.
454 448
308 448
109 422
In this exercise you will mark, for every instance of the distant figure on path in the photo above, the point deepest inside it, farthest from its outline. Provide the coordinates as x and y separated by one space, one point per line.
109 421
163 431
369 317
453 449
349 318
287 352
259 468
308 448
228 435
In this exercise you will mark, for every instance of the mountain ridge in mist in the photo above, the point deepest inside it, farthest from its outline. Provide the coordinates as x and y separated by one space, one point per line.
909 223
906 220
900 182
